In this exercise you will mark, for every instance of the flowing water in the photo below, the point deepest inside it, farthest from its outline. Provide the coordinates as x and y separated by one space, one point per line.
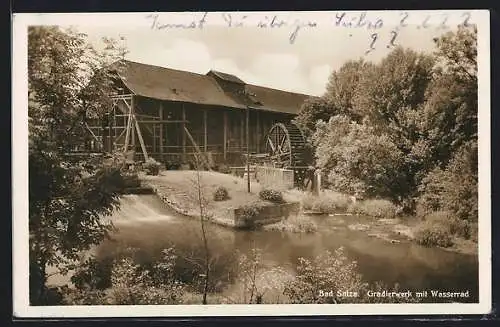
146 224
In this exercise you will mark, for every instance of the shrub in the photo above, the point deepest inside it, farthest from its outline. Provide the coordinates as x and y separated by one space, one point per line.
455 226
373 208
151 167
248 214
429 234
271 196
328 271
302 224
221 194
454 188
295 224
127 282
222 168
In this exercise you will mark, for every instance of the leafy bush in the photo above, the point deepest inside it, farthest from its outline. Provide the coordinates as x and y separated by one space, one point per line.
429 234
221 194
273 196
248 215
373 208
151 167
295 224
302 224
454 188
358 160
129 283
455 226
328 271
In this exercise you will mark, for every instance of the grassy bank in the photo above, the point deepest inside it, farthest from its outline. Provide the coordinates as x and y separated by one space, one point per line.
331 202
443 229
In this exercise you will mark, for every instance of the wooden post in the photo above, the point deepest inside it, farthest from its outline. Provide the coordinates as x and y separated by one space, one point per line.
132 116
257 132
183 133
225 135
205 135
160 114
242 130
154 139
248 149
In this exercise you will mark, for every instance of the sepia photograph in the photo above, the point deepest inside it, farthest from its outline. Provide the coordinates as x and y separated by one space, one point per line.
241 163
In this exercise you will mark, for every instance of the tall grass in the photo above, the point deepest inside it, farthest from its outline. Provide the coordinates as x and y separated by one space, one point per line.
439 228
329 202
325 202
295 224
373 208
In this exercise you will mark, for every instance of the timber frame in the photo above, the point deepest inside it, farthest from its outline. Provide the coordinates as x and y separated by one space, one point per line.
172 132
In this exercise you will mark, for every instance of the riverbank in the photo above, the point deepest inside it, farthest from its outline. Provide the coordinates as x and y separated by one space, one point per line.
178 189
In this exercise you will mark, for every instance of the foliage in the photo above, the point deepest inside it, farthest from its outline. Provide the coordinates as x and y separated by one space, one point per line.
222 168
357 160
129 283
68 194
405 128
374 208
248 215
270 195
432 234
444 225
332 271
454 188
221 194
328 271
294 224
338 99
151 167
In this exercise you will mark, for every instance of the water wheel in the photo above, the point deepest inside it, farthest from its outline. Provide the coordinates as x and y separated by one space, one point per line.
287 148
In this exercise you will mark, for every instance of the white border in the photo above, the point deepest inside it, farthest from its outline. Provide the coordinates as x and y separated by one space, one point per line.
20 188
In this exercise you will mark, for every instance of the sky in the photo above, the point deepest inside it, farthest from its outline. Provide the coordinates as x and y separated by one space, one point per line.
268 56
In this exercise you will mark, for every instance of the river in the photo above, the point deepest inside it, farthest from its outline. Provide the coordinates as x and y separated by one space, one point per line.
146 224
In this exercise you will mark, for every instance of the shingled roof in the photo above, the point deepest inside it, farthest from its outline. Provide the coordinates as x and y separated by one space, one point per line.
177 85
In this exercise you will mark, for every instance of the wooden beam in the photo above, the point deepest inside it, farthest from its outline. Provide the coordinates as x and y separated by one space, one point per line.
183 133
160 114
132 119
197 148
127 135
205 135
225 134
139 135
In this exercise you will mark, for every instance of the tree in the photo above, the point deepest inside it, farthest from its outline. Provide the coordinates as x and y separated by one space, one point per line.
344 84
450 121
357 160
202 203
338 98
450 113
68 195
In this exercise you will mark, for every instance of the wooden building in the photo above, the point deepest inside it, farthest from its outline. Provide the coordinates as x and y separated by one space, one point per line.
170 114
